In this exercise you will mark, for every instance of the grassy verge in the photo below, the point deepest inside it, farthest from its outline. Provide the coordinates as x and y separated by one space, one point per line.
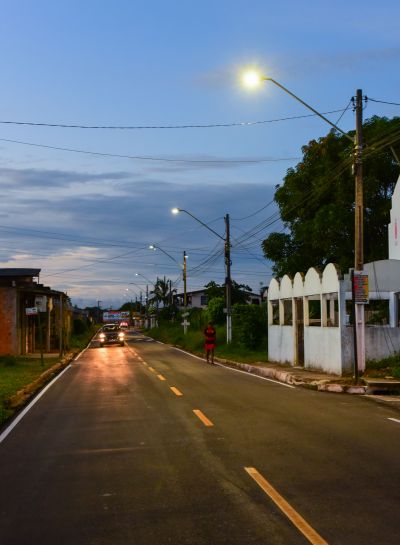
19 372
193 341
388 367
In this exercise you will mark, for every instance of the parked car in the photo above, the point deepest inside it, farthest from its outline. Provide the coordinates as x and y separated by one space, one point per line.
111 334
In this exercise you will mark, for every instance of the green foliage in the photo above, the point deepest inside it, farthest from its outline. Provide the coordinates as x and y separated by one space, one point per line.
317 197
79 326
239 292
214 290
250 325
215 310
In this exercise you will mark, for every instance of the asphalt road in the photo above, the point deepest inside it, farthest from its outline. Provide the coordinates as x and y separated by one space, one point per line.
145 445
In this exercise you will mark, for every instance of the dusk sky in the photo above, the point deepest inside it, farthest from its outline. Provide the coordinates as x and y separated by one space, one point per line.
86 214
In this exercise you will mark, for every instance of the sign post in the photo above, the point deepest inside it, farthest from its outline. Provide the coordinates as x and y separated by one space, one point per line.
185 323
360 295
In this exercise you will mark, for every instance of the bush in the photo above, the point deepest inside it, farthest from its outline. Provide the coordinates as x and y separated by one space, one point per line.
215 310
79 327
249 324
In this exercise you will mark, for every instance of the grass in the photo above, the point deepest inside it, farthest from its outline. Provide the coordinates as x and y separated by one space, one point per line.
386 367
17 372
193 341
15 376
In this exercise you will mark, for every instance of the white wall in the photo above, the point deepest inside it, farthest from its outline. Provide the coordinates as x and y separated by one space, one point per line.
281 343
322 349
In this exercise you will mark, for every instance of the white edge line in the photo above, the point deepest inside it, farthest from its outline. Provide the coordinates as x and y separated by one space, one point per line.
31 404
394 420
236 370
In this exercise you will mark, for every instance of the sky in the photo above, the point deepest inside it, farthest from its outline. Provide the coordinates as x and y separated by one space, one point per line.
84 204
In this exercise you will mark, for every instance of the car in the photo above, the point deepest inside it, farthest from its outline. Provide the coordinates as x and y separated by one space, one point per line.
124 325
111 334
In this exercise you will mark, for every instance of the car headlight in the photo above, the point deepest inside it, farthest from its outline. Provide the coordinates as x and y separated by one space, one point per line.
102 336
121 335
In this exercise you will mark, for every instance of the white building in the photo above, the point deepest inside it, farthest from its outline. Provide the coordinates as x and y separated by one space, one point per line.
309 316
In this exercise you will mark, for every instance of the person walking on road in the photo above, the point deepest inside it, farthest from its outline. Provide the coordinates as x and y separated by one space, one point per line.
210 339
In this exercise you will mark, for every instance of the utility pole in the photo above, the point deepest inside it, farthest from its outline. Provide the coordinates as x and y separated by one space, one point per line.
147 306
228 281
184 280
359 318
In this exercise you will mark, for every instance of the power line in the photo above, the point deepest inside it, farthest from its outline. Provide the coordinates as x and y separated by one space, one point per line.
152 127
151 158
382 101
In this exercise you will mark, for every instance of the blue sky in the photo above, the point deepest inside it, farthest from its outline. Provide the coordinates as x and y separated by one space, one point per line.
87 220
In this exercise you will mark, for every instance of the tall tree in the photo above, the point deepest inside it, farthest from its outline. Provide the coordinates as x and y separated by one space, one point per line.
316 201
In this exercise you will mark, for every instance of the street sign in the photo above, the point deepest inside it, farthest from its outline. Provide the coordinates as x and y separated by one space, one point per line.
41 303
31 311
184 314
185 323
361 288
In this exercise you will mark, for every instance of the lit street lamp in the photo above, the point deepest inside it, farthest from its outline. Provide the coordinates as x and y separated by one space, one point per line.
228 263
253 79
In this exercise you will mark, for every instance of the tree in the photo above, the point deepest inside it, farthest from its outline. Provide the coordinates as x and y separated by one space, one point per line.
163 293
239 292
316 201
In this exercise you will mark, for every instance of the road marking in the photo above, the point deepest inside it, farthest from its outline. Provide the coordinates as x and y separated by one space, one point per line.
312 536
203 418
161 377
236 370
152 370
394 420
31 404
176 391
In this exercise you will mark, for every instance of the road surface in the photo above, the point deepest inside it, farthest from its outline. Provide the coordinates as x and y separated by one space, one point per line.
146 445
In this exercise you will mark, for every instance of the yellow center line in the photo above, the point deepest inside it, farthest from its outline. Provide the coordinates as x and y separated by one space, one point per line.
312 536
161 377
176 391
203 417
152 370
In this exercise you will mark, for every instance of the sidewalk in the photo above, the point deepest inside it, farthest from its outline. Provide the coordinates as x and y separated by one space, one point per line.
316 380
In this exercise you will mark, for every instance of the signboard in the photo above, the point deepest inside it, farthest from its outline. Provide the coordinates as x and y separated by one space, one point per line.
32 311
115 315
361 288
41 303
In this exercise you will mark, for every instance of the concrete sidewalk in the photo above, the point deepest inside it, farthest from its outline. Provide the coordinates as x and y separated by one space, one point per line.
316 380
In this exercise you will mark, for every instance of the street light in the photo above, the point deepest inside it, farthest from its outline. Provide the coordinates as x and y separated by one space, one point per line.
228 263
253 79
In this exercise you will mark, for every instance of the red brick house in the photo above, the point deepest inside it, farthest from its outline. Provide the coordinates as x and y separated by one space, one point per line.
30 313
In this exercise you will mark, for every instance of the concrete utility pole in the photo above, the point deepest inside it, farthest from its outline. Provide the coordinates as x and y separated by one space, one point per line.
184 280
228 281
359 318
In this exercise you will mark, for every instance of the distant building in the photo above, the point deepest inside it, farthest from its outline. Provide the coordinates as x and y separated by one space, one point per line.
24 303
198 298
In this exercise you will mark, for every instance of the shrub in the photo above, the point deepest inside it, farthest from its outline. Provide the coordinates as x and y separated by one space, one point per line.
79 327
250 325
215 310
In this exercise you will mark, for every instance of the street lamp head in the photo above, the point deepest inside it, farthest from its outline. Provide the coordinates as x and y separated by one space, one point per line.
152 247
252 79
175 210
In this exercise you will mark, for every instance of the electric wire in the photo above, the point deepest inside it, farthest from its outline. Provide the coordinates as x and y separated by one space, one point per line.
152 127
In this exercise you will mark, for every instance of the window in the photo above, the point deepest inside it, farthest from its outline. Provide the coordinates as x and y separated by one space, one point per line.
377 312
203 300
330 310
314 310
273 313
287 312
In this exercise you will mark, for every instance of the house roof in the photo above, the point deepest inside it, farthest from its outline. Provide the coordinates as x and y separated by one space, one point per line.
11 272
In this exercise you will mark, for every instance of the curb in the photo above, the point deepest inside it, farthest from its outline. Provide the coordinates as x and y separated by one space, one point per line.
19 399
289 378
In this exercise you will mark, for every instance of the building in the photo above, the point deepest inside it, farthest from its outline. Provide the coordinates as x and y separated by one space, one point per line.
310 316
198 299
33 317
